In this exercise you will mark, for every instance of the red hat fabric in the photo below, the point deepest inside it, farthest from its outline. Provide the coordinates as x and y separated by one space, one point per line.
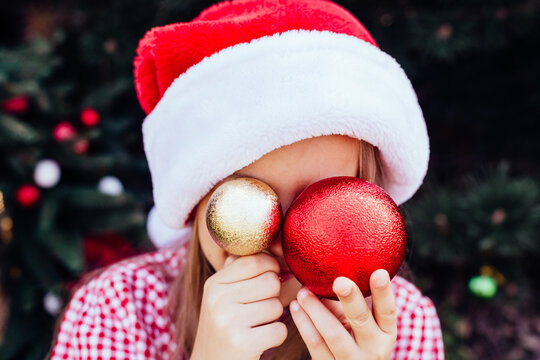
166 52
247 77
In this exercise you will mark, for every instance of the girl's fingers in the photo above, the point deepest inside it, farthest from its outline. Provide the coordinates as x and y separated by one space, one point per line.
247 267
337 338
264 286
230 259
261 312
337 309
384 306
356 309
267 336
315 343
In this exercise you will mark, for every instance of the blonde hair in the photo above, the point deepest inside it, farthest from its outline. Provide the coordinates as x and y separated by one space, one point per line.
186 292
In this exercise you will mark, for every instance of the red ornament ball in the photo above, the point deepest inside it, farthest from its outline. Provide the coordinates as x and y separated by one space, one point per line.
104 249
63 131
81 146
27 195
90 117
16 105
343 226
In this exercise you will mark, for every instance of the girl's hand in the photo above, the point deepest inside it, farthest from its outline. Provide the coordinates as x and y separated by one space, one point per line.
347 329
240 304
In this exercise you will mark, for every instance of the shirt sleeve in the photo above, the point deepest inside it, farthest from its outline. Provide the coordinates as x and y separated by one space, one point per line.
96 325
419 330
122 312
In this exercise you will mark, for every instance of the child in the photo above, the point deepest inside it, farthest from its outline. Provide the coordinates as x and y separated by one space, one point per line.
289 92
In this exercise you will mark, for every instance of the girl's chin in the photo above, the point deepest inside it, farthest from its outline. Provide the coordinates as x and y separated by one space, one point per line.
289 290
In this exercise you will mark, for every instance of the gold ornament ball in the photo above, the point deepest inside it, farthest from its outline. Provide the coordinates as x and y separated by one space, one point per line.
243 216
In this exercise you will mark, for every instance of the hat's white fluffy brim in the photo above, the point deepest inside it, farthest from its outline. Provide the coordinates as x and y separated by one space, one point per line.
249 99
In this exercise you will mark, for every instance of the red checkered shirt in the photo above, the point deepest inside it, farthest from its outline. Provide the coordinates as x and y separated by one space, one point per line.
121 314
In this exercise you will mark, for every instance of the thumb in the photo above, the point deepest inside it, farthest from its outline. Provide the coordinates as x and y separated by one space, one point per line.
230 259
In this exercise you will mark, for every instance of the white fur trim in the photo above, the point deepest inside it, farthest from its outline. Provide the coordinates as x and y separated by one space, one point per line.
249 99
162 235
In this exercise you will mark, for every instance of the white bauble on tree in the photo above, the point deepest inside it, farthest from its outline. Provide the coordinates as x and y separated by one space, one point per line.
110 185
47 173
52 303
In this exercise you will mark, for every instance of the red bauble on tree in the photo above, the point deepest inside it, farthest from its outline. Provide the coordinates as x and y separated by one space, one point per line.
90 117
27 195
16 105
63 131
104 249
342 226
81 146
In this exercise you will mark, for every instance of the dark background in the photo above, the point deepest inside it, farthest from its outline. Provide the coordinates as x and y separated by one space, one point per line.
473 64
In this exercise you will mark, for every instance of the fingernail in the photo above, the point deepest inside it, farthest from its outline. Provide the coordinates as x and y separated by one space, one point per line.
381 278
343 287
302 294
229 260
294 306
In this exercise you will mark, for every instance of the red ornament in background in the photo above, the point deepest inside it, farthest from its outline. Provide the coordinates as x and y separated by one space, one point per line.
63 131
27 195
81 146
104 249
342 226
16 105
89 117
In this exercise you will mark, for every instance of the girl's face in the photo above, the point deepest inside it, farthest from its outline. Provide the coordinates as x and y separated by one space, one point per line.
288 170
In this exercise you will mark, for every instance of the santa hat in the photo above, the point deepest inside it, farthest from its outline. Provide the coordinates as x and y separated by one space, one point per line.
249 76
